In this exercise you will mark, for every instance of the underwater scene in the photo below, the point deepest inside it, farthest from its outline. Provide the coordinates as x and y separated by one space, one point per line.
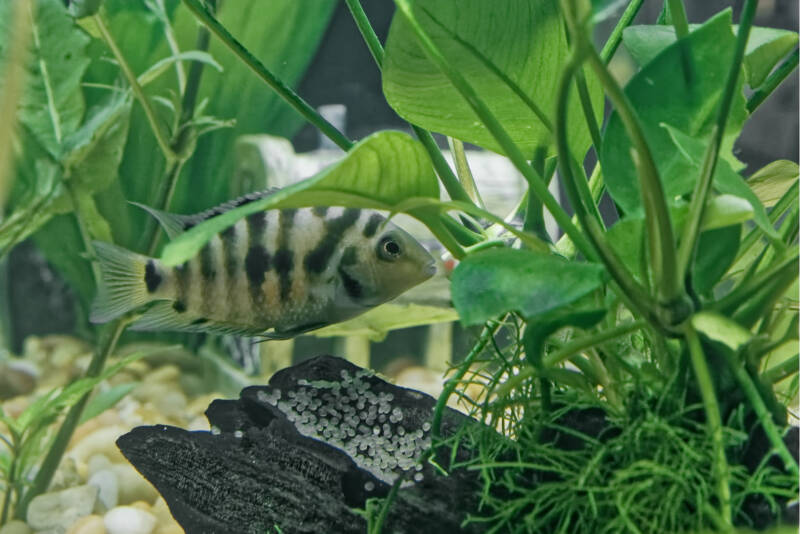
399 266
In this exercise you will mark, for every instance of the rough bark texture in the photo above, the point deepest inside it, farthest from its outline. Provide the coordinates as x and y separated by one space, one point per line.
302 452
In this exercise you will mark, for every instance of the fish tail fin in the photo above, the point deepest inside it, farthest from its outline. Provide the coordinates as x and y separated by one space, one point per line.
122 286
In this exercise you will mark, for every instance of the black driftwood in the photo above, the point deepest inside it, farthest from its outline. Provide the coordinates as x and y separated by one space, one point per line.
301 453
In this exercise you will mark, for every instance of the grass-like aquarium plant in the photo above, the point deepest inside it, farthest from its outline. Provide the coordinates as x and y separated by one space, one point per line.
635 375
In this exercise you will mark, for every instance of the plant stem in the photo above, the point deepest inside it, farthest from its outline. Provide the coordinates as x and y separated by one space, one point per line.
772 82
713 420
277 85
169 155
53 457
463 171
587 342
615 38
446 175
615 267
763 414
679 21
752 285
508 146
588 111
691 232
489 330
367 32
671 296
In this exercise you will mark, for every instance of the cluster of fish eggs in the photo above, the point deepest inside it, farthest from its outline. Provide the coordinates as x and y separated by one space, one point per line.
349 415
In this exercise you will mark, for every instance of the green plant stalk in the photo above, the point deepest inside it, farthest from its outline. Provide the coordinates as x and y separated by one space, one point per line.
275 83
169 155
535 181
463 171
588 110
377 527
764 299
367 32
489 330
448 179
659 228
569 350
53 457
762 412
679 21
172 42
615 38
697 206
12 482
564 245
713 420
462 234
786 233
782 371
634 291
772 82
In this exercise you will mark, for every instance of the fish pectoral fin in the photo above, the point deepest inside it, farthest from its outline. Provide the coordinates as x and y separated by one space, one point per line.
292 332
162 316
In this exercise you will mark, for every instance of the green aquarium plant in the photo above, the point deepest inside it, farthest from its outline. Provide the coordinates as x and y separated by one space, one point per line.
644 366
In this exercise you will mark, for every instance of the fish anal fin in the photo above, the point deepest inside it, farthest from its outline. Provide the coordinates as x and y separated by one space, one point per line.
162 316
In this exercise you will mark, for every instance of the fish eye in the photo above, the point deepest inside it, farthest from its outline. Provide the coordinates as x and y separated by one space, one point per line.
389 249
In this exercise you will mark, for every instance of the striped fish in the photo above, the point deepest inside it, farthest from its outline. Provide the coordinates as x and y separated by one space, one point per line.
274 273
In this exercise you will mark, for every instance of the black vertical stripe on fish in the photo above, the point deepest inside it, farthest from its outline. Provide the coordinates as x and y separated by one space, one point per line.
228 238
182 283
317 259
349 256
207 263
256 262
320 211
284 257
351 286
152 278
372 224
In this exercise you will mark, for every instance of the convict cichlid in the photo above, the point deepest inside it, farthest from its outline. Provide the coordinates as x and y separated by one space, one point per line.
275 273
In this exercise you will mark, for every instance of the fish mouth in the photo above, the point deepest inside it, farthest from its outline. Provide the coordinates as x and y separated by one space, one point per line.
430 269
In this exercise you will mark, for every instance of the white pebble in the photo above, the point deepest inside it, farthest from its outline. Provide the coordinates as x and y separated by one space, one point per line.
129 520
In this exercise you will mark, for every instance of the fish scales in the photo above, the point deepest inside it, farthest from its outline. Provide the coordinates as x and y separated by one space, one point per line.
291 270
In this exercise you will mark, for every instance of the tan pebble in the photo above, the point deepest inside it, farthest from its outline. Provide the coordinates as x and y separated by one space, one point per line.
172 404
173 528
148 391
133 486
198 423
66 476
160 509
165 373
101 441
90 524
16 527
14 407
141 505
123 377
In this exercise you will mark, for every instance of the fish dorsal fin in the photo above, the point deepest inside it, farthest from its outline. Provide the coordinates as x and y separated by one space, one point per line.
174 224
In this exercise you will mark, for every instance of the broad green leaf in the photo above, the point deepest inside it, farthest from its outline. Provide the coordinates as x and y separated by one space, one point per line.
765 47
52 105
661 95
494 281
84 8
771 182
377 322
522 40
380 172
726 180
537 332
105 400
719 328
